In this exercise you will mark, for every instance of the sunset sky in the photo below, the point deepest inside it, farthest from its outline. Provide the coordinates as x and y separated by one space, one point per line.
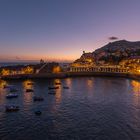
61 29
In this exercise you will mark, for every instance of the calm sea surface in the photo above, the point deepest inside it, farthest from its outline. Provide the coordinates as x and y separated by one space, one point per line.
92 108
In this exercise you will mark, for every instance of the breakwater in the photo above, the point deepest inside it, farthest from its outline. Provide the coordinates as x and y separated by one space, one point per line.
70 74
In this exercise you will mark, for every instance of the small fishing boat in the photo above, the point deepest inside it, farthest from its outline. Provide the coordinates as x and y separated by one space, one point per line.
65 87
13 95
57 83
11 108
30 83
36 98
52 93
29 90
55 87
38 112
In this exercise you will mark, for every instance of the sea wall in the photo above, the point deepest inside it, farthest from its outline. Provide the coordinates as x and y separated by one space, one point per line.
105 74
35 76
71 74
134 76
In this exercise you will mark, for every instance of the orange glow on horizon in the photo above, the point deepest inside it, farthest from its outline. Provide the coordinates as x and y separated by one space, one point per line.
37 59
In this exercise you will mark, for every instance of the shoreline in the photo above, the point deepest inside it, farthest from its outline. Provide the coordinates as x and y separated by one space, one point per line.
71 74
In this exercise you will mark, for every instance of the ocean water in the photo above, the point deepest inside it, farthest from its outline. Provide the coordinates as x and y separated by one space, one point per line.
16 63
93 108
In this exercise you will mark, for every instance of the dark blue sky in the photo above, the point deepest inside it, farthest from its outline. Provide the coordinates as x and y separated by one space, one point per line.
62 29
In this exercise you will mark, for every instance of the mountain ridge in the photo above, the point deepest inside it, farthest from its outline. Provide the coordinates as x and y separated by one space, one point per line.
112 53
120 43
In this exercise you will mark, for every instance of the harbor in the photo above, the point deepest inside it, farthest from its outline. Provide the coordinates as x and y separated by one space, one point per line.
69 70
98 100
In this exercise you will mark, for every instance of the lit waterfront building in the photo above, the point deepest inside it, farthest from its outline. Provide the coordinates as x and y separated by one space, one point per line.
87 59
135 60
110 69
133 63
87 63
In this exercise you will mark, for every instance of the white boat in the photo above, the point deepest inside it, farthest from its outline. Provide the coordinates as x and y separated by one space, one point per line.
11 108
38 98
13 95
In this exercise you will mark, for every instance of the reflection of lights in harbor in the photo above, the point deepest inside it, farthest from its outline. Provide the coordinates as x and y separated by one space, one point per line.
89 83
3 92
27 97
136 90
2 83
58 96
136 87
57 81
27 84
58 92
68 81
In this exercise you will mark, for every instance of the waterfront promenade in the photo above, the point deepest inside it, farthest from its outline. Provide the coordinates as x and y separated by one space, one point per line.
71 74
111 71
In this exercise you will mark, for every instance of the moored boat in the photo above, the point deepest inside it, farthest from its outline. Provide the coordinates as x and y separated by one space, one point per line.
38 112
13 95
30 83
36 98
29 90
57 83
65 87
52 93
11 108
55 87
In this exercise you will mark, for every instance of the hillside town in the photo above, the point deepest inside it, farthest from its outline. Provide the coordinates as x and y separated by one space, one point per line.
119 56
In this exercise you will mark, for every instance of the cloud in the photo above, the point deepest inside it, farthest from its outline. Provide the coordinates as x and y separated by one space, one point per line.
113 38
17 58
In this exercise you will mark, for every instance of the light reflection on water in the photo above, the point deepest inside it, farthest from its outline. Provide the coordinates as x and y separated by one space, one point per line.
68 82
27 85
2 91
136 87
90 83
136 95
27 96
93 108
